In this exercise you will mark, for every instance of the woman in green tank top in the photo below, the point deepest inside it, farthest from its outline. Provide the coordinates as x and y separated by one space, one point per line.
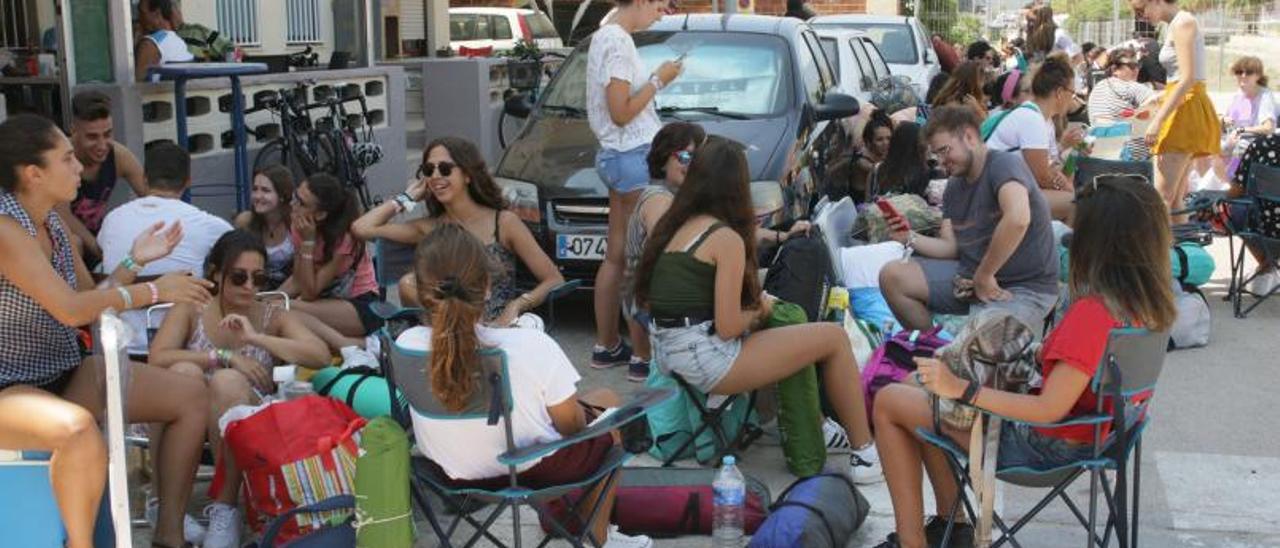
697 278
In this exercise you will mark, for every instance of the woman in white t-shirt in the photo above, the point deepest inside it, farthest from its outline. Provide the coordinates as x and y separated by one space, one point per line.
451 267
1029 129
620 110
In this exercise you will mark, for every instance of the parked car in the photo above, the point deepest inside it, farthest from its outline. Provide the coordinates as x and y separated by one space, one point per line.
500 28
760 80
902 40
855 59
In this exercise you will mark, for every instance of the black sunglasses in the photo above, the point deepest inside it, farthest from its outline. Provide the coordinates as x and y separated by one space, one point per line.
427 169
1107 179
239 277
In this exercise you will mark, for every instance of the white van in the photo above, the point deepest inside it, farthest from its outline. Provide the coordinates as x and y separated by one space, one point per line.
500 28
902 40
856 61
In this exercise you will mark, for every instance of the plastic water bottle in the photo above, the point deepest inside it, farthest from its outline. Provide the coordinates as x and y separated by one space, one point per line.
730 493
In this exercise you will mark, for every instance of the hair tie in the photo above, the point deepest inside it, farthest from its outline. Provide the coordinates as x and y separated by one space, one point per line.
1010 85
451 288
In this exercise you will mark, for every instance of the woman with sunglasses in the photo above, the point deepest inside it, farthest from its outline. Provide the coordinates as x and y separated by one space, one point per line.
1185 126
231 345
1029 129
456 186
269 217
1252 114
1119 92
1114 282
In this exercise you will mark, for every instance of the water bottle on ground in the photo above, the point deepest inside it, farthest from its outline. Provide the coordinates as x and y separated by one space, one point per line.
730 493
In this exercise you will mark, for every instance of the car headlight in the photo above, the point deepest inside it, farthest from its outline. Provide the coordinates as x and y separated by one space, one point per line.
522 199
767 201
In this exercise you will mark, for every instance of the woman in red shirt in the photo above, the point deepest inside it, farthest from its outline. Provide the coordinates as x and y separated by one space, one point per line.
1114 282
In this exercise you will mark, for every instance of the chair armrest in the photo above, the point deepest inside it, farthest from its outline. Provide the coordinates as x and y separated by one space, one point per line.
327 505
629 412
1072 421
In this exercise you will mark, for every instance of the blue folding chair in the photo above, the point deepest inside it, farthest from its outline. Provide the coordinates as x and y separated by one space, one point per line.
491 403
1127 376
1258 227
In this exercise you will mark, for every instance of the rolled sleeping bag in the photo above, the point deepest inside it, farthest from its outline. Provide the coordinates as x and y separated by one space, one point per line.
361 388
799 412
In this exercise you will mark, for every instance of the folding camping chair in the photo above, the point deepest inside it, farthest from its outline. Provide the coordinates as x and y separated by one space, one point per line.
724 424
392 260
491 401
1127 377
1258 228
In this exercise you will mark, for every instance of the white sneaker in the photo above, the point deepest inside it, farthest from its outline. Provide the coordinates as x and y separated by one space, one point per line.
618 540
864 466
354 356
1264 283
192 531
224 526
837 440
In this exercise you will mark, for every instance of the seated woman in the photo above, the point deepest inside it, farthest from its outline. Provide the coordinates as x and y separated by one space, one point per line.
1119 92
964 87
1114 282
700 287
457 189
50 396
232 345
1030 130
1252 114
452 274
875 149
269 218
1008 91
333 279
906 169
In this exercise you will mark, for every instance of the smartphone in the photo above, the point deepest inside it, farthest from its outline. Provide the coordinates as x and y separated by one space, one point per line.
887 208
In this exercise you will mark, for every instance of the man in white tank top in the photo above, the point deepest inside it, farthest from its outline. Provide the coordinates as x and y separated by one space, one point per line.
159 43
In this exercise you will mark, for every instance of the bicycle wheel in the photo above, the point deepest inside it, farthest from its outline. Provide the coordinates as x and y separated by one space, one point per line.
280 152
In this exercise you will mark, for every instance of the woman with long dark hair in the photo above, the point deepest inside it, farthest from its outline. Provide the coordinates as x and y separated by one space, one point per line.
906 168
1114 282
50 395
456 187
269 217
964 87
698 280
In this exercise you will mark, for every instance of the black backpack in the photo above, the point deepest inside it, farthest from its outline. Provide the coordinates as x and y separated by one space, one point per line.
802 273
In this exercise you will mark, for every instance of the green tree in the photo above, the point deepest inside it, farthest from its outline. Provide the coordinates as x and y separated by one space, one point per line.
943 17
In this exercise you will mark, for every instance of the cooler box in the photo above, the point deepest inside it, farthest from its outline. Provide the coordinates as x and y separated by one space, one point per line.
28 513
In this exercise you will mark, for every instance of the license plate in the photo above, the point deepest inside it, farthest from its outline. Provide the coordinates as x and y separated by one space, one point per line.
580 246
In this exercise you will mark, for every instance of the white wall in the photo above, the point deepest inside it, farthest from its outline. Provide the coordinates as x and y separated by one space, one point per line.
271 26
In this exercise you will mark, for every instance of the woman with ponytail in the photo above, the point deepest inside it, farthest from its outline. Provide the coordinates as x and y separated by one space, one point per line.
452 274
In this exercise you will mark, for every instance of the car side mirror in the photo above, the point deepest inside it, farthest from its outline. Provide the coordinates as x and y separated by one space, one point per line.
836 106
518 105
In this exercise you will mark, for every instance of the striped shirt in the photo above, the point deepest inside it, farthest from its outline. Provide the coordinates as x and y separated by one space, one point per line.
35 348
1109 98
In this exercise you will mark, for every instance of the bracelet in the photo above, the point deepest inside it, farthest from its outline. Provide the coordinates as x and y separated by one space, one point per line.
128 299
970 391
155 292
405 202
224 357
656 82
130 264
213 359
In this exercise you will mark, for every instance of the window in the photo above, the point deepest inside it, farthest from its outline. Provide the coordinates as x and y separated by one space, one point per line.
462 27
833 56
14 31
501 28
238 21
866 77
896 40
540 26
304 21
877 60
814 69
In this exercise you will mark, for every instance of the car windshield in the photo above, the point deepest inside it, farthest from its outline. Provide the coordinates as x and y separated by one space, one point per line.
738 74
896 42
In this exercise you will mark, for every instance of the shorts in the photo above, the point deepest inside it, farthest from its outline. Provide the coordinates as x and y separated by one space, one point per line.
695 352
624 172
364 309
1029 306
1023 446
55 386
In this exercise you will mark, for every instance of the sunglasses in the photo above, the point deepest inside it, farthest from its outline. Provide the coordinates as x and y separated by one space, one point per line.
684 157
427 169
1105 180
1244 72
239 277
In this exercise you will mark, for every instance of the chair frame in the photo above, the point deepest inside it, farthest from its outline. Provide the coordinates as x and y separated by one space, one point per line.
1121 449
1262 190
712 420
514 495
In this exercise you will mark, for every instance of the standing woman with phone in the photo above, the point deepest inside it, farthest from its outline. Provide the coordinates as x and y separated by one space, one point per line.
1185 126
620 110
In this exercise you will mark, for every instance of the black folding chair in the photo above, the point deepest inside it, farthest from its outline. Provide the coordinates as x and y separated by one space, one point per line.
1258 228
1126 377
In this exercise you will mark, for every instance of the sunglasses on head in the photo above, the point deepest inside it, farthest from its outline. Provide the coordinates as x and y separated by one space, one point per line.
1108 179
238 277
427 169
684 157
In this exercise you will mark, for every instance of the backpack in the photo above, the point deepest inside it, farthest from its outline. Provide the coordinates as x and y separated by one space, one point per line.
894 360
803 273
825 510
990 124
204 43
1191 328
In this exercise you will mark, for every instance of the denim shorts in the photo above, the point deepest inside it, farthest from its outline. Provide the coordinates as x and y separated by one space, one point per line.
1023 446
700 356
1028 306
624 172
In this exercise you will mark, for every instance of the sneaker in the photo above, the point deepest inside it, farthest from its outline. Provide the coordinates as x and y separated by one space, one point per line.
864 466
604 358
638 370
373 345
618 540
354 356
192 531
837 440
1263 283
224 526
961 533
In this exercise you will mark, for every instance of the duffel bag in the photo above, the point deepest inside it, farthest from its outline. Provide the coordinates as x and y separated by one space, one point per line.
819 511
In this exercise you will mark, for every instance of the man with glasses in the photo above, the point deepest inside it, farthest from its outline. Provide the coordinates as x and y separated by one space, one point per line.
168 172
1118 92
994 248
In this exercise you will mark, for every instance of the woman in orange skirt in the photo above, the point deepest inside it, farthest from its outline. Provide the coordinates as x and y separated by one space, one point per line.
1185 126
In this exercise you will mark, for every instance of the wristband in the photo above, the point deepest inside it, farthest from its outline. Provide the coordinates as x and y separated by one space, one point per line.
656 82
970 391
404 202
131 265
155 292
128 299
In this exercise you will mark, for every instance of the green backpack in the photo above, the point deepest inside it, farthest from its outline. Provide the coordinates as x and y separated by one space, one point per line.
198 41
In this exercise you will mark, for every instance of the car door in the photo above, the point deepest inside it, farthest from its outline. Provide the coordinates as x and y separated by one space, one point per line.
866 82
825 144
878 64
